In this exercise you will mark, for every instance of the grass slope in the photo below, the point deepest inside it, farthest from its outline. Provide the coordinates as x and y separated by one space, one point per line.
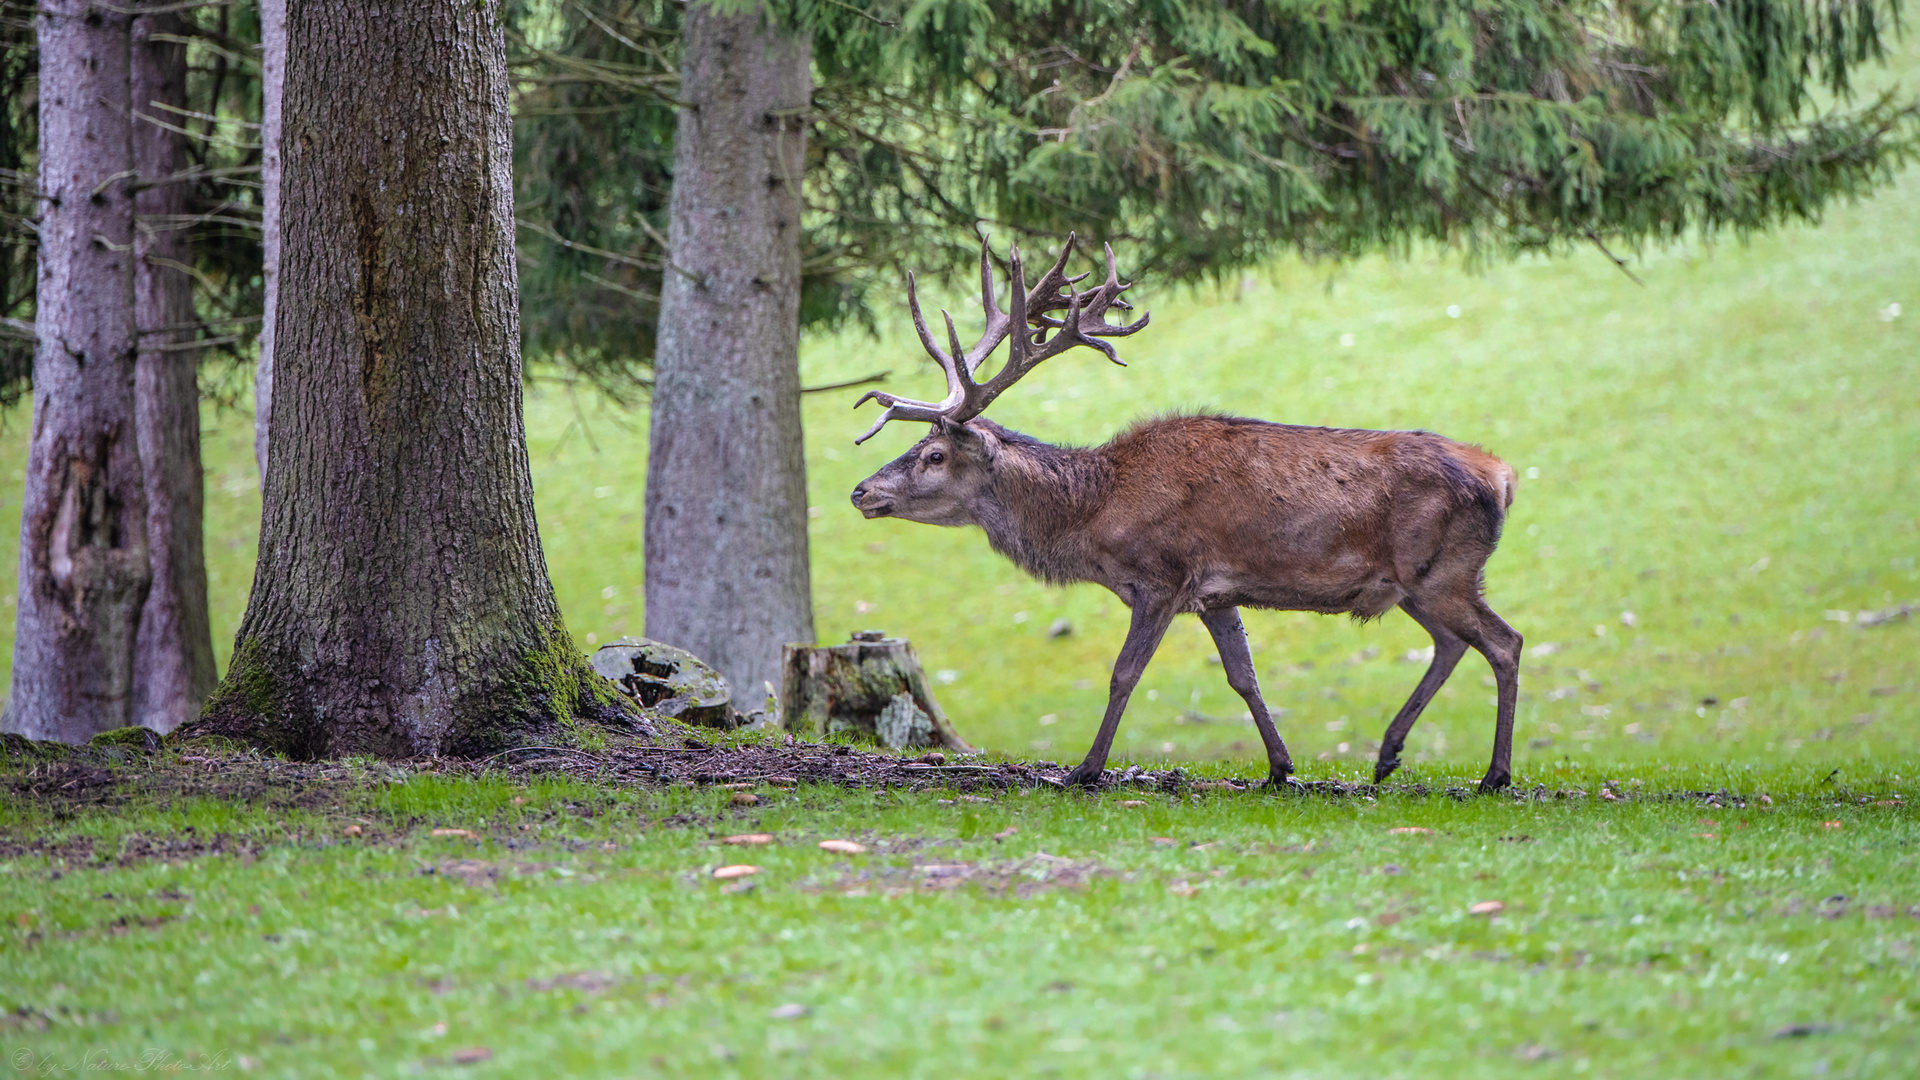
579 932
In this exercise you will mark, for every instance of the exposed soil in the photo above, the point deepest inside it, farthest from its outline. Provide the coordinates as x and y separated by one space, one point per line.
1022 878
61 780
72 777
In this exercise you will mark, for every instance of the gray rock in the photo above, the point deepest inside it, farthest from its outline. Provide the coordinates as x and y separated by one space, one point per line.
669 681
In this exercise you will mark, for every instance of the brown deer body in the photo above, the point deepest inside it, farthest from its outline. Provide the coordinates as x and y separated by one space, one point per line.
1208 514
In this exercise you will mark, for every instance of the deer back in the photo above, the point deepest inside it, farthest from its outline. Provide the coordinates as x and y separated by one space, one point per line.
1221 510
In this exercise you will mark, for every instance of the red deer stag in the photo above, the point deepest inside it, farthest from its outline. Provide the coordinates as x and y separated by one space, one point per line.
1206 514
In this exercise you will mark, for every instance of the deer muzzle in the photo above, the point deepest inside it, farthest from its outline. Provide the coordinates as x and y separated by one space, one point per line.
871 501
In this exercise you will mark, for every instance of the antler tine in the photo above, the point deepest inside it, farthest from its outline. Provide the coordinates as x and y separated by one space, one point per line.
895 412
920 325
1109 293
997 322
1017 296
1084 323
953 341
988 302
1045 294
959 380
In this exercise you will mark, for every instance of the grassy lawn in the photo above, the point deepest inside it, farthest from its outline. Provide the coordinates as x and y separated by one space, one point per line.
578 930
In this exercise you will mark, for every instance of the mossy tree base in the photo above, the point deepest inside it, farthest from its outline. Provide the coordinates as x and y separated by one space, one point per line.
543 697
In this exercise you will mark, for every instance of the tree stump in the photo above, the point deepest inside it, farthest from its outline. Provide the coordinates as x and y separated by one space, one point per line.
872 687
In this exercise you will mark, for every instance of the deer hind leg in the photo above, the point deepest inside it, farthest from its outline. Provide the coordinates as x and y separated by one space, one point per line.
1500 644
1448 648
1143 638
1230 637
1474 622
1451 599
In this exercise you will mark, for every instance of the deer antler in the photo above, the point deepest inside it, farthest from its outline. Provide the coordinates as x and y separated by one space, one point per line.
1084 324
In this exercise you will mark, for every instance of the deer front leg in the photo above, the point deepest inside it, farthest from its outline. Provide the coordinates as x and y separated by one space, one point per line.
1143 638
1230 637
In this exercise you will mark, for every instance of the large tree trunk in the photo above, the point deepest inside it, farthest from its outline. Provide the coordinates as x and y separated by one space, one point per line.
83 548
273 75
726 524
401 605
173 669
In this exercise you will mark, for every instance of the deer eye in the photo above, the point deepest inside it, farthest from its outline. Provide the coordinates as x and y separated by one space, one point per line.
936 458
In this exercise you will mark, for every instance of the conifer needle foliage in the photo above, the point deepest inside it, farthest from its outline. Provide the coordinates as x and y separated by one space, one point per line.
1207 136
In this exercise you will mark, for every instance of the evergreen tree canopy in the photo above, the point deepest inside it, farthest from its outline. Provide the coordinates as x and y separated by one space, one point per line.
1206 136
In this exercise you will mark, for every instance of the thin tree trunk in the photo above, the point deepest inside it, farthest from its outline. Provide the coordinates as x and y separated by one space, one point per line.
173 669
273 73
401 605
726 523
83 549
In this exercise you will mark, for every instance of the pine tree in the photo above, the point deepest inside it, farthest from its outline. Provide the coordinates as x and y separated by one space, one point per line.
401 605
173 669
93 653
726 388
19 116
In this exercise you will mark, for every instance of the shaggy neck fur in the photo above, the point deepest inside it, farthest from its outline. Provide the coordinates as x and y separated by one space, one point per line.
1039 499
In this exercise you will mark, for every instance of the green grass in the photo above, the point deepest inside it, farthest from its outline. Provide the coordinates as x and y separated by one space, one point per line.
1185 936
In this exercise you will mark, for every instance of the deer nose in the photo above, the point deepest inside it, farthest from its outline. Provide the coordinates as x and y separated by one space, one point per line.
864 498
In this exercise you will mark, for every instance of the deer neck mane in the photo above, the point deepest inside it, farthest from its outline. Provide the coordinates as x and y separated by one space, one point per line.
1037 506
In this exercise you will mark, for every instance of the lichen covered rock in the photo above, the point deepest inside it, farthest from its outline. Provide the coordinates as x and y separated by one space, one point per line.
669 681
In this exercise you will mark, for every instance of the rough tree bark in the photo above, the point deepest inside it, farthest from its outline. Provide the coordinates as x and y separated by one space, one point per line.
83 548
871 688
726 522
401 605
273 74
173 670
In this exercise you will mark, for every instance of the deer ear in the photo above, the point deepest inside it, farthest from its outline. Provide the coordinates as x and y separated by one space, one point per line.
988 442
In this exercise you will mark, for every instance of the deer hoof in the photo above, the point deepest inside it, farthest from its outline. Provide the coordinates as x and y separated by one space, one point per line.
1493 782
1083 777
1278 782
1384 768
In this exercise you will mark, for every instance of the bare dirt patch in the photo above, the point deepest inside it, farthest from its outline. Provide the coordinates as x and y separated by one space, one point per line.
1021 878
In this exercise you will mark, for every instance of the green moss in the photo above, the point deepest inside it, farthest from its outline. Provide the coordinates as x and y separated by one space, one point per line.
20 750
250 708
551 694
127 738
